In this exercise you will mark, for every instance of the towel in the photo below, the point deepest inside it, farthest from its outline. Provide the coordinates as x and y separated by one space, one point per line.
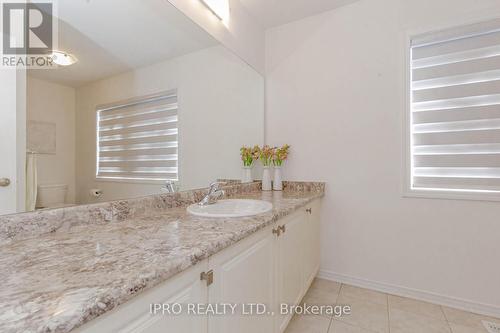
31 182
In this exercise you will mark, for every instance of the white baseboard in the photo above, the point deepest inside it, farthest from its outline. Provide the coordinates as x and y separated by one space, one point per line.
452 302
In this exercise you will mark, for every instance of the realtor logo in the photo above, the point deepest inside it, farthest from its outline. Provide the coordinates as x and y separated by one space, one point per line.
29 34
27 28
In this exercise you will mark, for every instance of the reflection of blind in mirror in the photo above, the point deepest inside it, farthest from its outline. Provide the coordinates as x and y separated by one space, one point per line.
456 109
138 139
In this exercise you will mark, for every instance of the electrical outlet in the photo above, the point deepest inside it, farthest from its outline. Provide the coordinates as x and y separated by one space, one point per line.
491 327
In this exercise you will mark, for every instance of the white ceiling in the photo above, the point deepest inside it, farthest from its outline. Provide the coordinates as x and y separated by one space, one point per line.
272 13
114 36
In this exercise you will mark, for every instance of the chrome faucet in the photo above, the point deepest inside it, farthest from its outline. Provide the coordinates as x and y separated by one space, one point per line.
169 187
214 194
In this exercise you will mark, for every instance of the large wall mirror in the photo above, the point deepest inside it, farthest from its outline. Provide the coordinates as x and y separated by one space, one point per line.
150 98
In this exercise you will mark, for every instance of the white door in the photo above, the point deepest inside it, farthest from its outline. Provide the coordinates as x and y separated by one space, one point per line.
10 140
244 275
289 282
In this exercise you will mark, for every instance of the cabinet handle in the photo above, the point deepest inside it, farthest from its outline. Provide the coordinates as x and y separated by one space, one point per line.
282 228
207 276
309 210
277 231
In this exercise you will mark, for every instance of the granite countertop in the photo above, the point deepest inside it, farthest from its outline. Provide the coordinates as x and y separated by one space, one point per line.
57 281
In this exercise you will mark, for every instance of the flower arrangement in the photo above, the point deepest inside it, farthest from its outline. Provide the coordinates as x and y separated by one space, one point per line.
248 155
280 155
266 154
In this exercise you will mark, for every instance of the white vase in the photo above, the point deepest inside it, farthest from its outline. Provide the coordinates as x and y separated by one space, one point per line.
266 179
246 176
278 181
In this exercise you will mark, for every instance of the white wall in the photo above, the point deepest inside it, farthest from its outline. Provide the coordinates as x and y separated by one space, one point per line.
241 33
55 103
335 93
221 108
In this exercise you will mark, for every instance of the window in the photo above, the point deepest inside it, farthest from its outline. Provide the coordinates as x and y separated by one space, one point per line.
138 139
454 113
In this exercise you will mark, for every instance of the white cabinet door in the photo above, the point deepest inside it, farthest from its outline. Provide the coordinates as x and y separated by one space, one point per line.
315 219
244 274
289 282
311 243
135 316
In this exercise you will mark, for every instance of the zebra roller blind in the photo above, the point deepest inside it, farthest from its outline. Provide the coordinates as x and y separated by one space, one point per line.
138 139
455 109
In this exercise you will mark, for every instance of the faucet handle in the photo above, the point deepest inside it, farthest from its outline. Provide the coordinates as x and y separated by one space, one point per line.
219 194
214 187
169 186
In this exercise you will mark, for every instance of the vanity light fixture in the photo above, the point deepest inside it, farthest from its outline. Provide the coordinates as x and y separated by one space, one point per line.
62 58
219 8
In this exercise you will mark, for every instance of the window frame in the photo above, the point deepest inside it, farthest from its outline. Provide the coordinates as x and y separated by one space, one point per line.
133 100
408 191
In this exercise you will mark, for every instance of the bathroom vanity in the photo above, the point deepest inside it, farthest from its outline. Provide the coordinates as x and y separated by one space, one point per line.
274 265
109 274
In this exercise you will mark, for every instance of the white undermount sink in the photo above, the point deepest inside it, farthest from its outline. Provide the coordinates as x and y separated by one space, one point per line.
231 208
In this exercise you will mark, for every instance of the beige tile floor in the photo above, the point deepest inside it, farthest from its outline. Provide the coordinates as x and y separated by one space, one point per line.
374 312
